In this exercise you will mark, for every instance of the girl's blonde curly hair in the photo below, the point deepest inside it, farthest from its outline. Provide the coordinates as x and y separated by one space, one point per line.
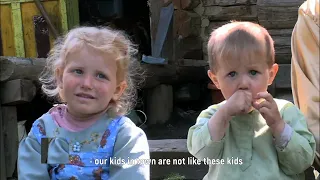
103 39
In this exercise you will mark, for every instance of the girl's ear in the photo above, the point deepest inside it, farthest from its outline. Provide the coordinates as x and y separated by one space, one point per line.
214 78
119 90
272 73
59 74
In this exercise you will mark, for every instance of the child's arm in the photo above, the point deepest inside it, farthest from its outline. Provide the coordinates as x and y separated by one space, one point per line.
299 152
204 141
131 143
29 160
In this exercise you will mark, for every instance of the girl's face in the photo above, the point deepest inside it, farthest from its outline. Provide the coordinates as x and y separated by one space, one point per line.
88 82
253 77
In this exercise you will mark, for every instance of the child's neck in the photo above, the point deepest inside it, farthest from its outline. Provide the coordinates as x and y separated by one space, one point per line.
71 117
70 122
80 123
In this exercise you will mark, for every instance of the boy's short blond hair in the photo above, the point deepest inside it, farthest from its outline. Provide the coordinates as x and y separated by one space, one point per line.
245 40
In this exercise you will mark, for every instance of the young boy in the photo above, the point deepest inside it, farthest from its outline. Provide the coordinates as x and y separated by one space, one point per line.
251 135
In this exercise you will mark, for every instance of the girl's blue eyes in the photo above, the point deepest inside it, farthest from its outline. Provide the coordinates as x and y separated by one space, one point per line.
80 72
77 71
101 76
232 74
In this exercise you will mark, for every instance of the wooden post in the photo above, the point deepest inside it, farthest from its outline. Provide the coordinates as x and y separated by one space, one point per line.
11 142
2 151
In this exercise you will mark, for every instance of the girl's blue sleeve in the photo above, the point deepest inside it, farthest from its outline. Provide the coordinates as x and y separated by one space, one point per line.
29 160
131 143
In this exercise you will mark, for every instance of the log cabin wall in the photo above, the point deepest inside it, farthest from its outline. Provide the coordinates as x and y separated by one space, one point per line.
194 20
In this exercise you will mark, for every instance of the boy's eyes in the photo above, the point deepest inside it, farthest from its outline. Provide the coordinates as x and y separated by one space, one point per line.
253 72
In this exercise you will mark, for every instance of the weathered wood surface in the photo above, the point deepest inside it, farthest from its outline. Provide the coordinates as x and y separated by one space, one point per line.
227 2
170 74
159 104
168 145
20 68
11 141
30 68
221 13
17 91
282 45
186 23
274 14
3 170
189 4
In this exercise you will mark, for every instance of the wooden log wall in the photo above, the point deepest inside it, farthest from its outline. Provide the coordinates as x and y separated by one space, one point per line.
193 25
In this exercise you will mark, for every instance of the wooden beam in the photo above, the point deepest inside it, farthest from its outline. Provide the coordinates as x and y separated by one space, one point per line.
20 68
11 141
17 91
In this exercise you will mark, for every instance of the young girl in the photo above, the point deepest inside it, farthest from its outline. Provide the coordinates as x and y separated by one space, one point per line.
251 135
91 71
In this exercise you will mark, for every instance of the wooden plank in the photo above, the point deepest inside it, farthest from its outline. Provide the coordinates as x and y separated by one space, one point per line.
17 91
73 13
220 13
3 171
275 14
1 47
282 3
17 29
7 30
41 36
282 44
168 145
29 10
63 15
193 62
11 141
228 2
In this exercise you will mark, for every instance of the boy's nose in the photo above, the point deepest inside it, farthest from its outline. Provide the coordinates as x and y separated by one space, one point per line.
244 84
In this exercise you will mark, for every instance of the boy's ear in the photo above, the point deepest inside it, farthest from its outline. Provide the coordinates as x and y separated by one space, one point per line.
119 90
272 73
213 78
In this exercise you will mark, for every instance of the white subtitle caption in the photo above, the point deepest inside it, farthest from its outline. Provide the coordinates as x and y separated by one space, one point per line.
180 161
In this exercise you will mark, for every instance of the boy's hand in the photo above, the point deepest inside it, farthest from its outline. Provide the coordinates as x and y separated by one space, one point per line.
239 103
269 110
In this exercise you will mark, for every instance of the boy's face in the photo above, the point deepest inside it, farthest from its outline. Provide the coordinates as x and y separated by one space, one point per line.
253 76
88 82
